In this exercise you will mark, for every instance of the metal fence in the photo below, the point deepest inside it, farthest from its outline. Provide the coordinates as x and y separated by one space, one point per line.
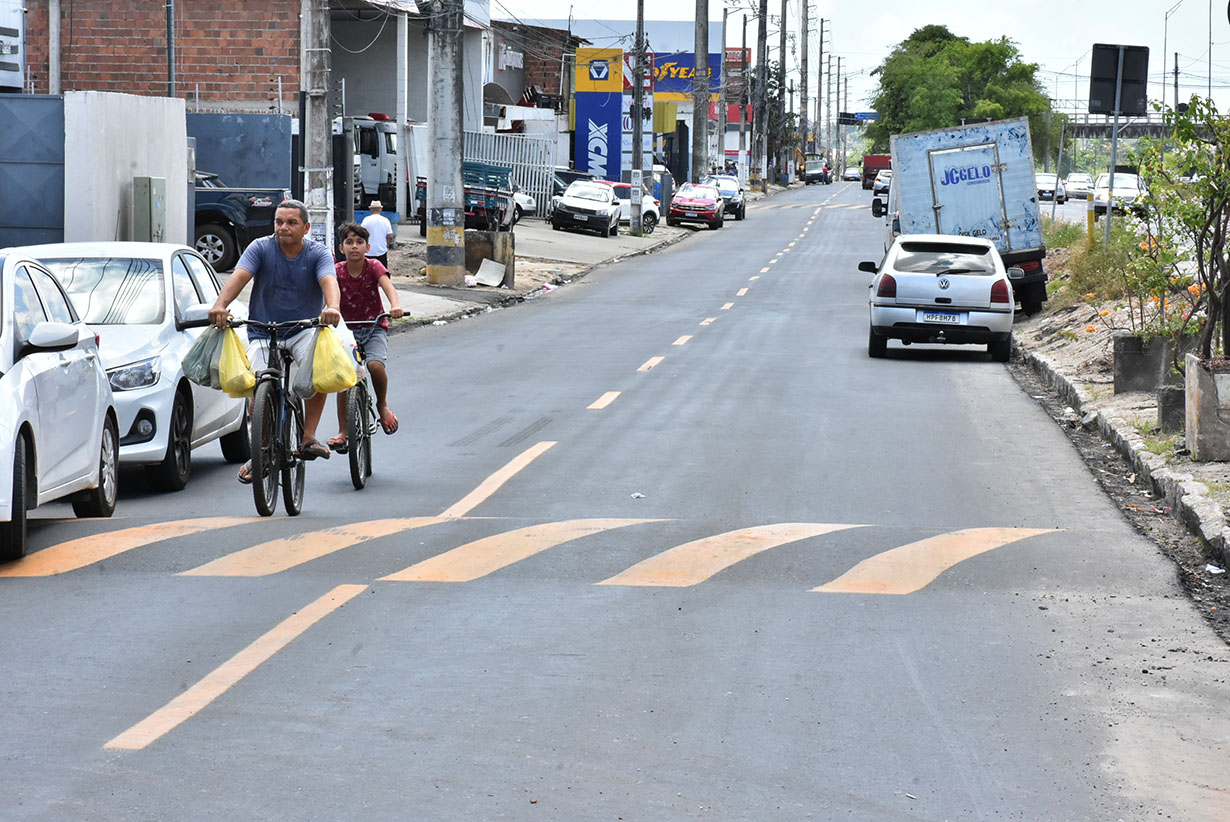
31 169
532 160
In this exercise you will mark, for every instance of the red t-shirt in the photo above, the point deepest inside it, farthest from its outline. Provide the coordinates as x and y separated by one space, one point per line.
361 295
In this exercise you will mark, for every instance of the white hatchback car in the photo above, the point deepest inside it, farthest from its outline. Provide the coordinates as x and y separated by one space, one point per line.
936 288
137 295
58 434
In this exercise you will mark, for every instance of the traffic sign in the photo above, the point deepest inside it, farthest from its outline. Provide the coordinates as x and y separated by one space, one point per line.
866 115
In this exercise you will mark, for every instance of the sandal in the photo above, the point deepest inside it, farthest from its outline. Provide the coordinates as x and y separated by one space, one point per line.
389 425
338 444
311 449
245 473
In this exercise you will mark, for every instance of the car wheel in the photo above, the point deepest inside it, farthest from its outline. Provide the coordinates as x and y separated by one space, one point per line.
13 532
237 445
172 473
100 501
1001 350
741 214
877 346
671 222
613 231
555 225
217 245
648 223
516 215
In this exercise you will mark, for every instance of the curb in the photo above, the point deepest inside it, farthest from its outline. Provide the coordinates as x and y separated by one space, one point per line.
1188 498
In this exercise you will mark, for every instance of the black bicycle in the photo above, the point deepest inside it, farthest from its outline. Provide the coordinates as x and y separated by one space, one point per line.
277 425
361 414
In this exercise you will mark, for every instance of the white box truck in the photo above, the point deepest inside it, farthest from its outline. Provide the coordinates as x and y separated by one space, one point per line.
975 181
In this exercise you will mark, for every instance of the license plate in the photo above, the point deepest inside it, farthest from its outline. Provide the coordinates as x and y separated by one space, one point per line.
580 218
941 317
690 213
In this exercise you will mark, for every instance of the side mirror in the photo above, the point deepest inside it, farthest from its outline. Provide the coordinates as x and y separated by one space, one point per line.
195 316
1015 273
868 266
877 208
49 336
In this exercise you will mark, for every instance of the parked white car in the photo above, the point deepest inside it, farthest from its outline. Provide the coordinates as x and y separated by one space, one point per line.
1078 184
58 434
137 295
523 204
940 288
651 214
1050 187
1129 194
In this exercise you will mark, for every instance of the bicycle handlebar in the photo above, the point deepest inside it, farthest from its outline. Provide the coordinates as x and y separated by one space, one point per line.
285 325
379 317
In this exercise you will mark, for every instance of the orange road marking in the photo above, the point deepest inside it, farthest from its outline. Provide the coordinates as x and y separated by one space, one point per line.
651 363
708 321
226 675
912 567
694 562
493 483
78 553
280 554
742 292
683 340
603 401
486 556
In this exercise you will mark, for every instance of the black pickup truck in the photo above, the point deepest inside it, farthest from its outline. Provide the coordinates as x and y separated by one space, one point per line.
227 219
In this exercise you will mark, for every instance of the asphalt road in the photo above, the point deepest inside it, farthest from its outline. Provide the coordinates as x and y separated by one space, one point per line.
665 544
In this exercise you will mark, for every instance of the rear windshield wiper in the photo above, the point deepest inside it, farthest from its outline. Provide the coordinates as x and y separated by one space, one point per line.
960 271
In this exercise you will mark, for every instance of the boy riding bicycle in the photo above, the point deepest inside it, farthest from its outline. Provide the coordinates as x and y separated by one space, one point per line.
361 279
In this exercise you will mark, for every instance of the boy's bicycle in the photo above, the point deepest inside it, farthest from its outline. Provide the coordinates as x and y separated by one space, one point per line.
277 425
361 415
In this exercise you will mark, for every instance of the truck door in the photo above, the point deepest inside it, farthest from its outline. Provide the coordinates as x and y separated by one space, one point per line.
368 140
967 193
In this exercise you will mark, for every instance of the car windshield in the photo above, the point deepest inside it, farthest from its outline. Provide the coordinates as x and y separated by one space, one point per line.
113 290
1045 179
1079 178
588 191
943 258
1122 180
695 192
723 185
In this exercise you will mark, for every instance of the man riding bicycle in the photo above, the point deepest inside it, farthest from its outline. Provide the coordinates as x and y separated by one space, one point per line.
292 279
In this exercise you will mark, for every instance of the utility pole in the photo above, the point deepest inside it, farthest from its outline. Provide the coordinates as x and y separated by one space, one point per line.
722 111
638 120
782 162
317 129
170 48
743 61
445 192
1176 80
845 131
828 109
760 130
700 94
803 80
818 128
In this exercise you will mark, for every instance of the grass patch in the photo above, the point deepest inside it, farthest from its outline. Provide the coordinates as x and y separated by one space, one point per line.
1060 234
1216 486
1100 271
1161 444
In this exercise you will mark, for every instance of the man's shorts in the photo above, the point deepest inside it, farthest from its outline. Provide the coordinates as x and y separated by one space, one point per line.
377 348
301 347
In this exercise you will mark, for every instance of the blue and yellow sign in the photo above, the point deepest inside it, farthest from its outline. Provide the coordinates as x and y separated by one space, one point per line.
600 70
673 73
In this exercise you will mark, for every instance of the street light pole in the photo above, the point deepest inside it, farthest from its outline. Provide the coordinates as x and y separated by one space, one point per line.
700 93
638 121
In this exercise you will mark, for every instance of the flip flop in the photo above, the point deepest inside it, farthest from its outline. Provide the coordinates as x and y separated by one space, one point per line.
339 444
311 449
245 473
390 425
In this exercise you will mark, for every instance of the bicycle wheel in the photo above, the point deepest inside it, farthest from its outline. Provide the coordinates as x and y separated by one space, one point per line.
358 435
266 450
293 467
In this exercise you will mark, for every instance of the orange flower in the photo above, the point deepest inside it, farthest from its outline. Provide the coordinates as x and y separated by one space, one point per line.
1090 296
1090 329
1103 313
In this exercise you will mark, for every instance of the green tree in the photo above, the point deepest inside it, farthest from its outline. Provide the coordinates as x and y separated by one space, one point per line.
935 79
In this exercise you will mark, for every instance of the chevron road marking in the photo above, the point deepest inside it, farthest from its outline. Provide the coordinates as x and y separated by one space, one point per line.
912 567
78 553
225 676
694 562
494 482
486 556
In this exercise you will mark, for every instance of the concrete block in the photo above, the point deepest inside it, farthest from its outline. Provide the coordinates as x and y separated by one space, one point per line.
1207 415
1145 364
500 246
1171 408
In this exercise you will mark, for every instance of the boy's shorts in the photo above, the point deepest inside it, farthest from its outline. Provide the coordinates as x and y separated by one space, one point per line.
377 348
301 347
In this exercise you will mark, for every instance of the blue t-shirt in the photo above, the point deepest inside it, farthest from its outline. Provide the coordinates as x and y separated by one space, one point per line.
285 289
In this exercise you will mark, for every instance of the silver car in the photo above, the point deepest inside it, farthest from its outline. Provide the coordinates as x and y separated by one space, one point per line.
137 297
1050 187
937 288
1078 184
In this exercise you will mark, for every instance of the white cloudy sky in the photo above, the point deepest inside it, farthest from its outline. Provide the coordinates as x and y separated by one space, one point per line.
1056 34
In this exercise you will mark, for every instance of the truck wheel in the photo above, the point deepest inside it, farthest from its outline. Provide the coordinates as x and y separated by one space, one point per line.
217 245
1032 297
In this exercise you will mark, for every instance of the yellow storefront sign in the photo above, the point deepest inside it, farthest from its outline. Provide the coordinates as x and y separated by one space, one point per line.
600 70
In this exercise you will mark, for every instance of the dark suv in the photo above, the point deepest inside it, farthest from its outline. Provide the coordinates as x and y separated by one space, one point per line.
732 193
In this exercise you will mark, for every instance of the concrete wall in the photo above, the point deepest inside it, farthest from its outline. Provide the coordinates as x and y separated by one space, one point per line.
245 150
108 140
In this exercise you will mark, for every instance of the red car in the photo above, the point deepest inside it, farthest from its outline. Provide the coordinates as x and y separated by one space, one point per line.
696 204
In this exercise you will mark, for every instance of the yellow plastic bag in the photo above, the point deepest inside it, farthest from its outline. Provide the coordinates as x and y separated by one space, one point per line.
333 369
235 375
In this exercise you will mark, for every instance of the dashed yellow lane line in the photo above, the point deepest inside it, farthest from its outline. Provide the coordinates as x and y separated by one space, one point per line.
494 482
279 555
912 567
742 292
753 279
78 553
651 363
603 401
486 556
765 270
226 675
708 321
694 562
682 340
792 243
773 260
728 306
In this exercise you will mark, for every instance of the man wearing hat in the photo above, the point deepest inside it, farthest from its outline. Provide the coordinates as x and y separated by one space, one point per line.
381 232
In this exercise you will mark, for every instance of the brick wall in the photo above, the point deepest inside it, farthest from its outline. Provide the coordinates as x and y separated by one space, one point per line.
232 50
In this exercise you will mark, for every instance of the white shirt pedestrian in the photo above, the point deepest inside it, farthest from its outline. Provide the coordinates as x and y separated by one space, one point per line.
380 229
